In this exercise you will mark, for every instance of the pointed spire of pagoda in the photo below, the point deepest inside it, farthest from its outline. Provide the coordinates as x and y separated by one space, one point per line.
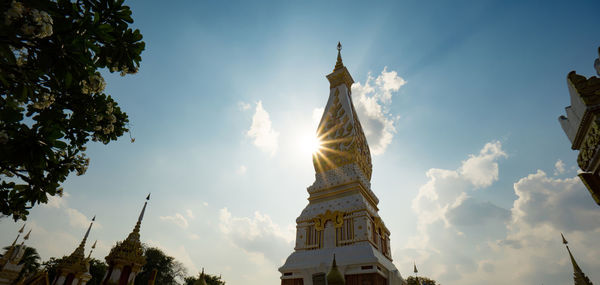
79 253
26 237
415 268
339 64
335 277
18 235
340 133
135 234
579 277
92 250
9 252
201 279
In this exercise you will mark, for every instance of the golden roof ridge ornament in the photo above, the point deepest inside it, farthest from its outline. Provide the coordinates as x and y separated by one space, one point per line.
579 277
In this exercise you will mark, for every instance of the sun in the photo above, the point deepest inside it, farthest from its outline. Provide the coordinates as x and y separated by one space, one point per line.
310 144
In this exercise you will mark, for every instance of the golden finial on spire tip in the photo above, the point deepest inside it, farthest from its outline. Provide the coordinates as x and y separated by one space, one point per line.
339 64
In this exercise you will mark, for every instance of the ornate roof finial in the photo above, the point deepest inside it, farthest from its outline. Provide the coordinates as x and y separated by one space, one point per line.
79 251
339 64
578 276
335 277
26 237
135 234
18 235
92 250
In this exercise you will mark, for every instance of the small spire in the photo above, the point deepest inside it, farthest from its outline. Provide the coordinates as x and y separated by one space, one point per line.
578 275
135 234
339 64
92 250
26 237
201 279
80 249
15 241
415 268
335 277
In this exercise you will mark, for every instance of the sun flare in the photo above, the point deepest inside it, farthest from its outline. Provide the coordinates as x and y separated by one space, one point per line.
311 145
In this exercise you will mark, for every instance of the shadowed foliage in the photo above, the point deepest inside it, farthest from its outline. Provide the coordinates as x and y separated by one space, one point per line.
169 271
52 99
31 260
210 280
421 281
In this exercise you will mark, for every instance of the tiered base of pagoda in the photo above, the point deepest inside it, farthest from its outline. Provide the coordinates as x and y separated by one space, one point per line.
359 262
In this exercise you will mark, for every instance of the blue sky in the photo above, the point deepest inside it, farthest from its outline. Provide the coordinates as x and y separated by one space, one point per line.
467 170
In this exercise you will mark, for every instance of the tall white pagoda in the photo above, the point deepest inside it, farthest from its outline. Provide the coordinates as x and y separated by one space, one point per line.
341 217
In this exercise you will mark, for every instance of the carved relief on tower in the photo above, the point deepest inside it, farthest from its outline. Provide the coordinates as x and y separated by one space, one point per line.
589 146
342 138
336 217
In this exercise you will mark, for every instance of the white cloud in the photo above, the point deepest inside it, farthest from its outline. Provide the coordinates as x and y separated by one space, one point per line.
372 105
462 240
75 217
244 106
482 170
189 213
257 235
559 167
263 135
205 204
177 219
241 170
561 203
78 219
57 201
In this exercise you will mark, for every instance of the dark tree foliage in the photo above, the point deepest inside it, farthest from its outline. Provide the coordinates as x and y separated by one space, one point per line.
51 265
97 270
31 260
210 280
422 281
52 99
169 270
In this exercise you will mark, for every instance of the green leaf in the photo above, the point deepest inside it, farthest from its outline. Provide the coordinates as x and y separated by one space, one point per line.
68 79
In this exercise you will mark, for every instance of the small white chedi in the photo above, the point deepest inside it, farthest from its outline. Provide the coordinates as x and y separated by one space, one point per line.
341 217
